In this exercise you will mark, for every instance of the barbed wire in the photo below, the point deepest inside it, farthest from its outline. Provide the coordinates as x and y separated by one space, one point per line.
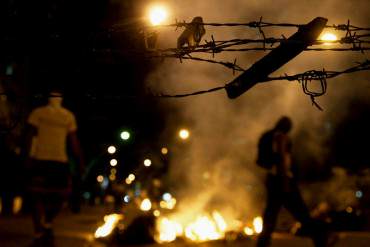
355 40
257 24
303 78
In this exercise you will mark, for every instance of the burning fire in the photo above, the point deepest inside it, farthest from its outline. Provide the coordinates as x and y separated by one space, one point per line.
169 230
106 229
204 228
258 224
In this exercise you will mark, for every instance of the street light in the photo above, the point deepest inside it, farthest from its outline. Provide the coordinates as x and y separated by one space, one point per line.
112 149
113 162
131 177
147 162
329 37
164 150
184 134
125 135
100 178
157 14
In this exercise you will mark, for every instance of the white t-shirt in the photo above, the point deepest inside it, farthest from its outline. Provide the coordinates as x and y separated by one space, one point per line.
53 124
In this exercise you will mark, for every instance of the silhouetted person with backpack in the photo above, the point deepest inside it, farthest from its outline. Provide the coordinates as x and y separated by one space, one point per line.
274 154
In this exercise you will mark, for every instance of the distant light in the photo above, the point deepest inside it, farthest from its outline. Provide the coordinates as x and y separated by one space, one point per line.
146 205
100 178
147 162
113 162
126 198
131 177
9 70
125 135
112 177
128 181
184 134
170 204
86 195
349 210
359 194
113 171
157 182
157 15
167 197
104 185
112 149
164 150
157 213
17 204
328 37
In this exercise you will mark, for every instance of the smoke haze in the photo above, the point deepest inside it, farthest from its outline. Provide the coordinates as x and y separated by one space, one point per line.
217 165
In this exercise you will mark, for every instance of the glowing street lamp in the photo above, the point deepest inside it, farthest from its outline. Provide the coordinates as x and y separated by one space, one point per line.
113 162
125 135
184 134
131 177
147 162
100 178
112 149
329 37
164 150
157 15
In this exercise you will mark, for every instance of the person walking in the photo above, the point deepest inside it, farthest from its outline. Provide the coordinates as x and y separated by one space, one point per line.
274 154
51 128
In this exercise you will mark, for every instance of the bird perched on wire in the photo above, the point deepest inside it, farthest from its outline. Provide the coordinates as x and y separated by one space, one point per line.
192 34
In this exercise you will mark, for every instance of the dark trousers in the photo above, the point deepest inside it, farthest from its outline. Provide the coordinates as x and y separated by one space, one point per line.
49 187
282 191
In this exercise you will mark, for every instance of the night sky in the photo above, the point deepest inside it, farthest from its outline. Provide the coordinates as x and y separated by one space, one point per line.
70 45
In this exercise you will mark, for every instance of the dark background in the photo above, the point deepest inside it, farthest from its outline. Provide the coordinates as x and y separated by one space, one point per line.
73 45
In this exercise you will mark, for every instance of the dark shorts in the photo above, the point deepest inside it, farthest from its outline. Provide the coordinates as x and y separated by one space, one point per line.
49 177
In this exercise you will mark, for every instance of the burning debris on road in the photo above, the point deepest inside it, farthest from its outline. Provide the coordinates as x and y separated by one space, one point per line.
201 228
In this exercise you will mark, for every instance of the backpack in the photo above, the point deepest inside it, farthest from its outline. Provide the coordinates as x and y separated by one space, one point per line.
266 157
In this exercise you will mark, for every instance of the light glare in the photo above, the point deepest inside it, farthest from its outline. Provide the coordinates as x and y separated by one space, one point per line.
131 177
164 150
157 15
112 149
125 135
329 37
113 162
184 134
100 178
146 205
147 162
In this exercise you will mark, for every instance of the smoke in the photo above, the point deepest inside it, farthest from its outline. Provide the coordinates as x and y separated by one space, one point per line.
217 166
340 190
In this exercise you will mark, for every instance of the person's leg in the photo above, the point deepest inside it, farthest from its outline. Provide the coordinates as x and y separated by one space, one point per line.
274 202
53 203
37 211
295 205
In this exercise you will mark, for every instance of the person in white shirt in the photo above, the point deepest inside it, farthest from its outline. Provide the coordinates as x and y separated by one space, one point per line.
51 128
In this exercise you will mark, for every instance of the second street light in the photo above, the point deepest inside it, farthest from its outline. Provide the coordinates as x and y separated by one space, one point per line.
125 135
184 134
